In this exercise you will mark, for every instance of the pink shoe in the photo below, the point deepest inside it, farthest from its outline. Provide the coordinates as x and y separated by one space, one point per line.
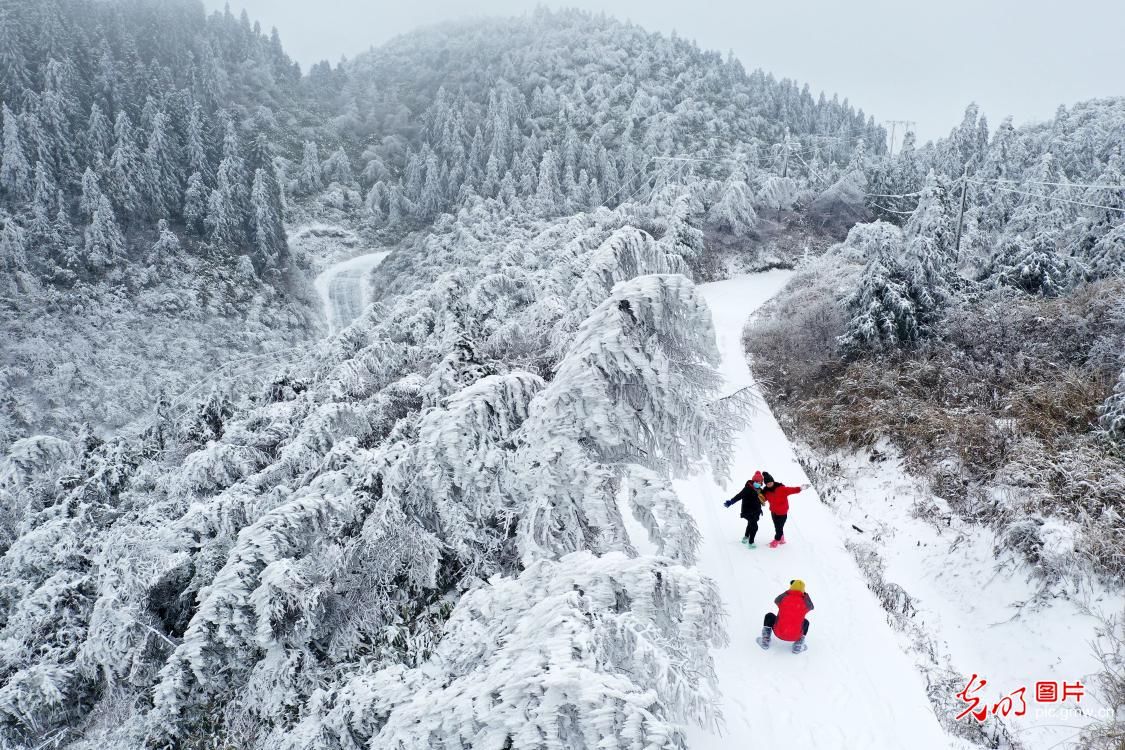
774 544
783 540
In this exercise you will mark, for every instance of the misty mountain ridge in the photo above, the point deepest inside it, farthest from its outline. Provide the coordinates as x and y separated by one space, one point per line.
427 508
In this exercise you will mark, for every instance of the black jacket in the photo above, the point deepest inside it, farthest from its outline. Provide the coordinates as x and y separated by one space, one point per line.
751 501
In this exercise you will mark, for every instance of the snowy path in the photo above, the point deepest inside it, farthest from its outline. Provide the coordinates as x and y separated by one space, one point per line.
854 687
343 289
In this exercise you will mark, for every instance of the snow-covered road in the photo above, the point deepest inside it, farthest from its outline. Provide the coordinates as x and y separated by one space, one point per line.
343 289
854 687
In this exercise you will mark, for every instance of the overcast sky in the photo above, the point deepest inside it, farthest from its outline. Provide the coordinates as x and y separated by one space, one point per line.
920 60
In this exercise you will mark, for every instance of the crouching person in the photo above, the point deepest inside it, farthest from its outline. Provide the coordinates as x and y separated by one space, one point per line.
789 623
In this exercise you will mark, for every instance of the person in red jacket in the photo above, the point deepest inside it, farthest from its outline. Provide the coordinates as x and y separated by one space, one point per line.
790 623
777 495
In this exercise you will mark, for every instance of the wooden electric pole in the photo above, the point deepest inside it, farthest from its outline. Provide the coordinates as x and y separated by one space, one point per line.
785 165
905 129
961 215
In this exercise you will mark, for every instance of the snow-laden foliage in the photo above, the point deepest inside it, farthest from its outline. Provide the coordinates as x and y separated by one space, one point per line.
892 308
1045 203
734 210
627 392
1001 384
654 503
216 135
562 135
468 428
1113 411
143 240
573 653
1032 266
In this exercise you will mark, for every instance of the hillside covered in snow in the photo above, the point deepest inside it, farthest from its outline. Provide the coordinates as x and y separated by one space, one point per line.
485 509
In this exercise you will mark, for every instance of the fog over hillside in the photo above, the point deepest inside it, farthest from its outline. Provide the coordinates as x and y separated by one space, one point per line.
394 402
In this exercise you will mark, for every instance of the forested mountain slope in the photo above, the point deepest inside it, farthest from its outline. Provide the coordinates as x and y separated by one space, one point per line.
412 533
569 108
994 366
423 509
142 237
213 132
1005 350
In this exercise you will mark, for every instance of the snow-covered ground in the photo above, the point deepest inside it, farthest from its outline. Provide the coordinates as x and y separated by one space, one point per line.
855 687
982 615
343 288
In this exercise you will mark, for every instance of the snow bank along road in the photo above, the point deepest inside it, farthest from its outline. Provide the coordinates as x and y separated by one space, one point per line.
854 688
343 289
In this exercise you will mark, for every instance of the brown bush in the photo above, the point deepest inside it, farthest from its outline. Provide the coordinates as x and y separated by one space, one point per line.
1007 395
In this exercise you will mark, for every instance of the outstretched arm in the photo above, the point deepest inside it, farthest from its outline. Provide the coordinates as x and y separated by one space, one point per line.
740 496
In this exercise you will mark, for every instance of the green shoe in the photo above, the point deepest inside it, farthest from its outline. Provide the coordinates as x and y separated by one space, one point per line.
751 545
744 540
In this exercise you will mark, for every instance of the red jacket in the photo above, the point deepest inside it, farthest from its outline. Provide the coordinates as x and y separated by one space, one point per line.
778 498
792 606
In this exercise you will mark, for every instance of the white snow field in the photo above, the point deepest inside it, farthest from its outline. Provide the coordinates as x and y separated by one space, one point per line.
343 290
854 687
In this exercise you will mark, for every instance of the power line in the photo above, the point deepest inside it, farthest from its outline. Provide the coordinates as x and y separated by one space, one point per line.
1047 197
1059 184
906 125
901 195
892 211
812 171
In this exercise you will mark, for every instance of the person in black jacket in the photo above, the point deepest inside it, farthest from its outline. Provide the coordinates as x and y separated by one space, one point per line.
752 501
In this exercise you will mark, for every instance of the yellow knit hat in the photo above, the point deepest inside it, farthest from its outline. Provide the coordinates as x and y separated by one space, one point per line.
797 585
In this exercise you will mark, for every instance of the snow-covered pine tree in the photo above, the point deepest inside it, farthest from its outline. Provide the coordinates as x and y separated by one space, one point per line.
91 194
13 260
99 136
338 168
161 169
1031 265
105 245
196 143
639 371
893 308
126 171
195 208
1038 215
309 178
270 247
14 75
224 223
1102 239
623 616
777 193
930 234
548 191
15 171
626 253
41 228
734 210
167 246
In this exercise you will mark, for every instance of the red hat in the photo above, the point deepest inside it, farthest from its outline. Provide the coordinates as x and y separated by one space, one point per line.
757 476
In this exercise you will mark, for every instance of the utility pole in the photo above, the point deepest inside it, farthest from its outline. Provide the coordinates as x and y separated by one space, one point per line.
894 123
785 166
961 216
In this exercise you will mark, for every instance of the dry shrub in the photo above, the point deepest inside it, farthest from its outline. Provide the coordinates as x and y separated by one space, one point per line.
1008 395
1064 404
793 338
1109 734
